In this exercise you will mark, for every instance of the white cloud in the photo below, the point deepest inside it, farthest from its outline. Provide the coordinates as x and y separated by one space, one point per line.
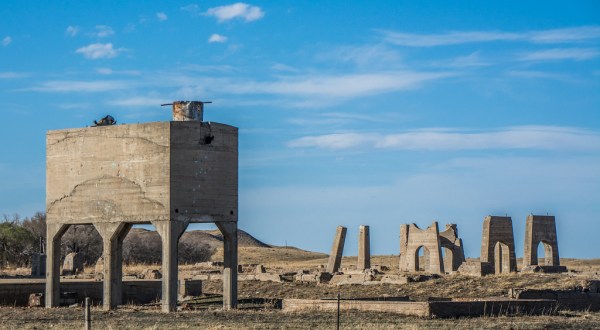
192 8
139 102
566 35
72 30
217 38
161 16
104 31
577 54
283 67
66 86
363 55
97 51
109 71
12 75
521 137
237 10
6 41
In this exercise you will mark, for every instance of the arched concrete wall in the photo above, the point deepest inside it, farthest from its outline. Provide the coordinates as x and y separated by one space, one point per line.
498 229
540 229
411 239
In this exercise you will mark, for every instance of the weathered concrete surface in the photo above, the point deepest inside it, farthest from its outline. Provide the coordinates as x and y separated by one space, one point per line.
443 309
498 244
141 173
395 279
412 238
345 279
73 264
165 173
321 277
337 250
17 292
475 268
38 265
567 299
453 248
540 229
364 248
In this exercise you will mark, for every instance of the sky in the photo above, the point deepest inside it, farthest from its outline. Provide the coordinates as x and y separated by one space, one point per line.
350 112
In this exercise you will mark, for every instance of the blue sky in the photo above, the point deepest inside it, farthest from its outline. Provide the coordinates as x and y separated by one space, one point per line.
350 112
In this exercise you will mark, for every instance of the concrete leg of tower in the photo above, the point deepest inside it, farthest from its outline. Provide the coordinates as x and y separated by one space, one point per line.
230 247
112 235
53 234
170 232
364 248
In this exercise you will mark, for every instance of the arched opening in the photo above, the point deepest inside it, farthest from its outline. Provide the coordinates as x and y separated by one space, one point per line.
544 254
448 257
501 258
80 247
422 259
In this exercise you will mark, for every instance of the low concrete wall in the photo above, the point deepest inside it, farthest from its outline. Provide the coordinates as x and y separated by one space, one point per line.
420 309
427 309
572 300
15 292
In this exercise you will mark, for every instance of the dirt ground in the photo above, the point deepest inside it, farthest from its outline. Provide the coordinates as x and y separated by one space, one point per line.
128 317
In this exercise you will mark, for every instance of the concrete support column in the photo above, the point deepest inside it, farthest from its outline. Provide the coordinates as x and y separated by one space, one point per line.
230 270
112 235
170 232
53 234
364 248
337 250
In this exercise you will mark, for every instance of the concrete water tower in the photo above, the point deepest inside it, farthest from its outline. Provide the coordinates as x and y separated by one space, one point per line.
168 174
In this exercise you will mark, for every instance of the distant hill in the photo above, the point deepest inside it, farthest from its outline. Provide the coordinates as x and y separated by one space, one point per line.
213 238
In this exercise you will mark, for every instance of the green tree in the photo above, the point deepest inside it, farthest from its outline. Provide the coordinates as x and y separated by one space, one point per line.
16 244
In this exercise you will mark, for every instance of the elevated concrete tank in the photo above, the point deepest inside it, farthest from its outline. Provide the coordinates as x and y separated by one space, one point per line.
168 174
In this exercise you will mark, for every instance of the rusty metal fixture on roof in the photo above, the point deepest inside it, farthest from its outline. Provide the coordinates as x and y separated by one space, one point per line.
106 121
187 110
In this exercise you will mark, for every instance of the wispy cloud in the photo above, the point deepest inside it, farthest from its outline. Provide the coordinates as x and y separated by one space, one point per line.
98 51
565 35
192 8
66 86
109 71
13 75
577 54
72 30
217 38
6 41
521 137
237 10
139 101
362 55
349 85
103 31
162 16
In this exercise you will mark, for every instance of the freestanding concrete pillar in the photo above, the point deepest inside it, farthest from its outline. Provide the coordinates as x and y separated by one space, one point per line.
337 250
170 232
112 235
364 248
230 261
53 234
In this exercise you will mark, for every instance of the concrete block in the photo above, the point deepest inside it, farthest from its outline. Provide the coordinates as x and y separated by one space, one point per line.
395 279
36 300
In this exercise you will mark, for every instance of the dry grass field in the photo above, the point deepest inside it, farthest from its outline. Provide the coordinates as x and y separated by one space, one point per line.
258 300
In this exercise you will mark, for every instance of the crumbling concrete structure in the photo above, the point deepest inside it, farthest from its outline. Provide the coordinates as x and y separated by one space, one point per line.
454 254
498 244
168 174
412 238
540 229
73 264
364 248
337 250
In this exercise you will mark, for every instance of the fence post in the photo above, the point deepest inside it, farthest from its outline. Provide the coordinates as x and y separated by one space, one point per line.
87 315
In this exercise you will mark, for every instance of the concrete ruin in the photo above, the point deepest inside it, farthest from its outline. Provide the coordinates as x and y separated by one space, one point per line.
337 250
452 246
168 174
540 229
412 239
364 248
498 244
73 264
